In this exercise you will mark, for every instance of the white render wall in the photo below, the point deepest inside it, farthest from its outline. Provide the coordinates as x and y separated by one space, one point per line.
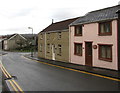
90 33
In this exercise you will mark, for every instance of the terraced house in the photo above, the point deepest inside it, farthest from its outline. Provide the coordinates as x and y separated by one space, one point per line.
95 39
53 41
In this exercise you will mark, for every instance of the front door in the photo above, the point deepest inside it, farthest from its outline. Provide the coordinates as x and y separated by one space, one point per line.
53 52
88 53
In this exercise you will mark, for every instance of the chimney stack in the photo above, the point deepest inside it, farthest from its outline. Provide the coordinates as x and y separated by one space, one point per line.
52 21
119 3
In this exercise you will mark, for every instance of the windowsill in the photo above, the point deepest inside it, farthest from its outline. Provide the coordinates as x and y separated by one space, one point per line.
77 54
105 34
59 54
108 60
78 35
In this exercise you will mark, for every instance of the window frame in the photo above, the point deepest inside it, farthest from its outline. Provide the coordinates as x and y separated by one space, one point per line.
41 47
59 35
41 36
99 51
48 36
48 48
75 49
59 51
106 33
75 28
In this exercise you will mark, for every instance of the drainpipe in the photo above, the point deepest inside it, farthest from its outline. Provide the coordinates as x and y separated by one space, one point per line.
118 38
70 44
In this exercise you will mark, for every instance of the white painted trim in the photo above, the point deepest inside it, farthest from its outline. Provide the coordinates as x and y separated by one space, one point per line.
22 36
15 35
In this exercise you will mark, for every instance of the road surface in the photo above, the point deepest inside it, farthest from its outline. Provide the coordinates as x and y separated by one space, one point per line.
35 76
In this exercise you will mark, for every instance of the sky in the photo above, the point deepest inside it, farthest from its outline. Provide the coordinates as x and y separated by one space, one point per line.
17 15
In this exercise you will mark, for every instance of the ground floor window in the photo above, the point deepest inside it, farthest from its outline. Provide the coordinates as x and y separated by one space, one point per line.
59 50
40 47
105 52
78 49
48 48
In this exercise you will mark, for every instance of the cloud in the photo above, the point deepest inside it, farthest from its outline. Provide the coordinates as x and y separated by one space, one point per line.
16 12
17 15
65 13
23 12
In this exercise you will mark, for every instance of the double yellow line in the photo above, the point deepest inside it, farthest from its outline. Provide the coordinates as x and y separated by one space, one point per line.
12 82
97 75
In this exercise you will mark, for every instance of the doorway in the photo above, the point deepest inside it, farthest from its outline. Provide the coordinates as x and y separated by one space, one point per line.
88 53
53 52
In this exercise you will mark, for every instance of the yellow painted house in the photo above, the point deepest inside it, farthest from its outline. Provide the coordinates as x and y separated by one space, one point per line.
53 41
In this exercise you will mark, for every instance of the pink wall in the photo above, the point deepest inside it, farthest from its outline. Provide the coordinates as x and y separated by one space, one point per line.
90 33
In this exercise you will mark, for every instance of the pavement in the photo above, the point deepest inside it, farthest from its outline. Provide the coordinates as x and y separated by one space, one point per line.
95 70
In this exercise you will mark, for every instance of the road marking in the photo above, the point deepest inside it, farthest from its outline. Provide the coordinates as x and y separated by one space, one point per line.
12 82
97 75
13 86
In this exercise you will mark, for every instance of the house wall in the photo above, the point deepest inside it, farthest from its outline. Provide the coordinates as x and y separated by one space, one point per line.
90 33
53 39
5 45
41 40
11 44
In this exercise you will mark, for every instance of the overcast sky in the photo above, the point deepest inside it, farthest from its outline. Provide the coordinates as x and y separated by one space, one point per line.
17 15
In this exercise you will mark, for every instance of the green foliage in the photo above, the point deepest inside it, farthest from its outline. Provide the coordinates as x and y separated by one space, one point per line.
25 49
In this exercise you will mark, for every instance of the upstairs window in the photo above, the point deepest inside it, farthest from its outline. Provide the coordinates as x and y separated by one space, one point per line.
105 52
41 36
59 35
78 30
105 28
48 36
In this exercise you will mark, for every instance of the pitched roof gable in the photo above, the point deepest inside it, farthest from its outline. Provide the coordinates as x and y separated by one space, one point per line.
98 15
62 25
16 35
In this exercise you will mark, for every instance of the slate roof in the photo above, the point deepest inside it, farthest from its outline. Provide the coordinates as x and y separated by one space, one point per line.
62 25
98 15
9 36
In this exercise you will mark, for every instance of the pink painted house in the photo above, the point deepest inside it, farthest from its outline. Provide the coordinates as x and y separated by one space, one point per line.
94 39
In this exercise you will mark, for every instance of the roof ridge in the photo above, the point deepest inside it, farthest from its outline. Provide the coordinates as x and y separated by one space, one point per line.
103 9
66 20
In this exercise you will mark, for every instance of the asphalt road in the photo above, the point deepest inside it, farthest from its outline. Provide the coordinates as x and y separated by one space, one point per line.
35 76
